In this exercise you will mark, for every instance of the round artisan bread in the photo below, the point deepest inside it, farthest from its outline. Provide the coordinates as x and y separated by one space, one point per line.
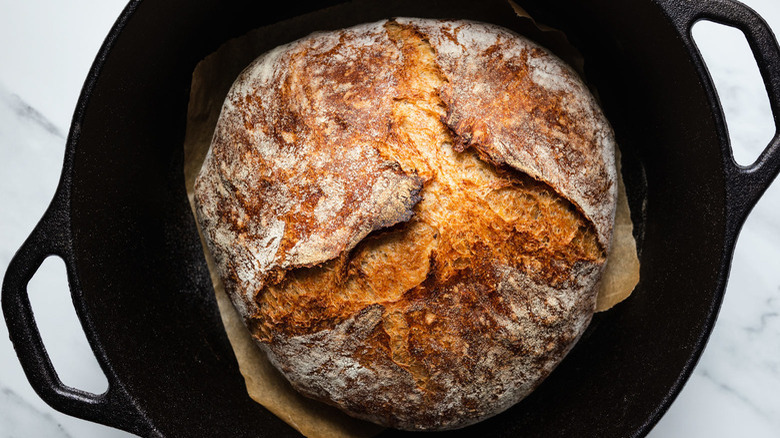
412 216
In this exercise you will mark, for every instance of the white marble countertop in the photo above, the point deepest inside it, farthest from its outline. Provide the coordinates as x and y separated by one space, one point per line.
46 50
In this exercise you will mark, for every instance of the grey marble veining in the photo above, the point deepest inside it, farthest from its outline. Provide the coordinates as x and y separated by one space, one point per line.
734 390
17 414
25 112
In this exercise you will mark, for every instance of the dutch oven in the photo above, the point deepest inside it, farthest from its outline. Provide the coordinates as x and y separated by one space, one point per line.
121 222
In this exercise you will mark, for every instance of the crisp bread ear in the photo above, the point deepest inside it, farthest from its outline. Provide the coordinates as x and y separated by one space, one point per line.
522 106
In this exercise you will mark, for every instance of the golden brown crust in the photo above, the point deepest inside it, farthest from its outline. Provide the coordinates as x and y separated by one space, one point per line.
292 177
402 240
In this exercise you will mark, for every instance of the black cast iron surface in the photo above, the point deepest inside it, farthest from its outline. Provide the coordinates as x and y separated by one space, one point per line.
121 221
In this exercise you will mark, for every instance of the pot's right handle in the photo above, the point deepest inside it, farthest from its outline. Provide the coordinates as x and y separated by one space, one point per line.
744 184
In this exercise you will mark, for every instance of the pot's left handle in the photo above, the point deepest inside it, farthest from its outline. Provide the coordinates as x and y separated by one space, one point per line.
114 407
744 184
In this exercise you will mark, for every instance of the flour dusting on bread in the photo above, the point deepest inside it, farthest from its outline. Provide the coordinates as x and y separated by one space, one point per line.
411 216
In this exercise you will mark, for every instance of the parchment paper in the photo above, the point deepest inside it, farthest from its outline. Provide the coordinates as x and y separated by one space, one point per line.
211 81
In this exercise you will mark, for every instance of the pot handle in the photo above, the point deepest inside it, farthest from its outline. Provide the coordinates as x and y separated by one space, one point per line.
51 236
744 184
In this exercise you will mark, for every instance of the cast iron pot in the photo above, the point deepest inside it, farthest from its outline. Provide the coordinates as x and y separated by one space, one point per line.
121 222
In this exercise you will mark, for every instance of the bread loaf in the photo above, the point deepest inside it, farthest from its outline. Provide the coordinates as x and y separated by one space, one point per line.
412 216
